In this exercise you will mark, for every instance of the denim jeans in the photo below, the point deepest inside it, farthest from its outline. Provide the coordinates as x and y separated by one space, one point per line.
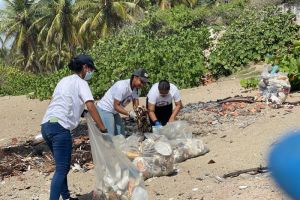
112 122
59 141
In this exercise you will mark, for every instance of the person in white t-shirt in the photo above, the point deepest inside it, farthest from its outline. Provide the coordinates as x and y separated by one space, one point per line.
160 103
69 99
117 97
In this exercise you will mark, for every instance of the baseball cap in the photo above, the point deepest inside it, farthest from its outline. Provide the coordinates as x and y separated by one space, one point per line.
142 73
86 59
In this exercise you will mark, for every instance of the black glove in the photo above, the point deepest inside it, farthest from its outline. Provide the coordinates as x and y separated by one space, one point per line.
103 130
84 112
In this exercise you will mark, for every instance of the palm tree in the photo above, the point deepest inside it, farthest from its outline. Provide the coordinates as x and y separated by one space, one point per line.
57 26
16 20
101 17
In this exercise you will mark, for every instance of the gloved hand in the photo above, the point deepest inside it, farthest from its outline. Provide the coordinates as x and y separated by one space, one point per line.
84 112
157 123
103 130
132 114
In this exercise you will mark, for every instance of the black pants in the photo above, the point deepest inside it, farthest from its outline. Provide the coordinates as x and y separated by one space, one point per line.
163 113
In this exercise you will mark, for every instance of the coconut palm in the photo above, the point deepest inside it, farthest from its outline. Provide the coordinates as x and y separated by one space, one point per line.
56 25
16 20
102 17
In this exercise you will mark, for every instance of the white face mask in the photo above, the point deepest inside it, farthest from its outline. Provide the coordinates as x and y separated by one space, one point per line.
88 75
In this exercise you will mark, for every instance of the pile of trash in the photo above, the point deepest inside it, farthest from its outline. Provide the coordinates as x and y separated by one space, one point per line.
274 86
122 164
160 151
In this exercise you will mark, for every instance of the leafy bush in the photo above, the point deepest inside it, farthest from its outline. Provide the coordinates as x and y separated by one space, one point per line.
249 83
290 63
251 37
15 82
176 57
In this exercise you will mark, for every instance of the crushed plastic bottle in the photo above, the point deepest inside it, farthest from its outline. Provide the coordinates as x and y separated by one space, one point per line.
38 139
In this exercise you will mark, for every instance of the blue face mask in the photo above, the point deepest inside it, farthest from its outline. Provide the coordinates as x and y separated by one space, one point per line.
88 75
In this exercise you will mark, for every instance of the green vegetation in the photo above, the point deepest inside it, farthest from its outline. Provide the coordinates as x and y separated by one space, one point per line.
167 38
249 83
15 82
289 62
176 57
251 37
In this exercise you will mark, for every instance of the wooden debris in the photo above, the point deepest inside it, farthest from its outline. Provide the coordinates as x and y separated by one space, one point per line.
253 171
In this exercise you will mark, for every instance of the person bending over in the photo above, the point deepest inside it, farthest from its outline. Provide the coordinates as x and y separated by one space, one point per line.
160 105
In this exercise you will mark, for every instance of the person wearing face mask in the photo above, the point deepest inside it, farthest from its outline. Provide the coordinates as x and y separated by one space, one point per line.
69 99
117 97
159 103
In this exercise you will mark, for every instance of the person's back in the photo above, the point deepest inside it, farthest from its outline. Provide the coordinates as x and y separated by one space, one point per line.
70 91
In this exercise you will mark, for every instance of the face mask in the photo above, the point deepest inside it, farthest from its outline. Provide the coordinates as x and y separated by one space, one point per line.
88 75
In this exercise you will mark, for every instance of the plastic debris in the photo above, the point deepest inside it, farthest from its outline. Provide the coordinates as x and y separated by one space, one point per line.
274 86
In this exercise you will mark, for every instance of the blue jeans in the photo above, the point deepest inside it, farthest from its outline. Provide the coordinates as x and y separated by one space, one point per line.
59 141
112 122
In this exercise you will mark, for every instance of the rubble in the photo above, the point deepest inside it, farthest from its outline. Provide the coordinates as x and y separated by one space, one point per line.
215 117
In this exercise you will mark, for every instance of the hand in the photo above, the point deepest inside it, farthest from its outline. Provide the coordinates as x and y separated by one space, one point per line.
171 119
103 130
84 112
132 114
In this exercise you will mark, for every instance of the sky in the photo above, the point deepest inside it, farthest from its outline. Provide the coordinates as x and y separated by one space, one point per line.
1 4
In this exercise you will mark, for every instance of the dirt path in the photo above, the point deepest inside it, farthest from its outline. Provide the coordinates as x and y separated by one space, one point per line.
232 149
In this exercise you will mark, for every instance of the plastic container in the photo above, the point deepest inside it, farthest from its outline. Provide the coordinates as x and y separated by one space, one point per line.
38 139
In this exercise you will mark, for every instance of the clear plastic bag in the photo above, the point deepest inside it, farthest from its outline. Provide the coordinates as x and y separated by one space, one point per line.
189 148
183 144
156 158
115 174
176 130
274 87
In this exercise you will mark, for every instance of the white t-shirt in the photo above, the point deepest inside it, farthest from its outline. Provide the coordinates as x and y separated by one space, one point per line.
120 91
156 99
68 101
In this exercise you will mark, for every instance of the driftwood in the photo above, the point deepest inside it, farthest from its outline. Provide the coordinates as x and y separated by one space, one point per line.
296 103
257 170
237 99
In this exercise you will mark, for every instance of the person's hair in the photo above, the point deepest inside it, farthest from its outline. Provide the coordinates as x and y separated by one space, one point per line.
75 65
163 85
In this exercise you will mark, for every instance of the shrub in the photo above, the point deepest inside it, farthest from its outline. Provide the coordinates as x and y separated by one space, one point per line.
251 37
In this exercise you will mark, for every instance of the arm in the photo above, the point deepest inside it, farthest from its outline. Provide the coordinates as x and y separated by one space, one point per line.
95 115
135 103
119 108
151 112
175 111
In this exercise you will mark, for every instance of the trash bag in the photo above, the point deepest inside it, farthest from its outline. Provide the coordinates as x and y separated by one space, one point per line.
188 148
129 146
176 130
181 139
156 159
116 176
274 86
